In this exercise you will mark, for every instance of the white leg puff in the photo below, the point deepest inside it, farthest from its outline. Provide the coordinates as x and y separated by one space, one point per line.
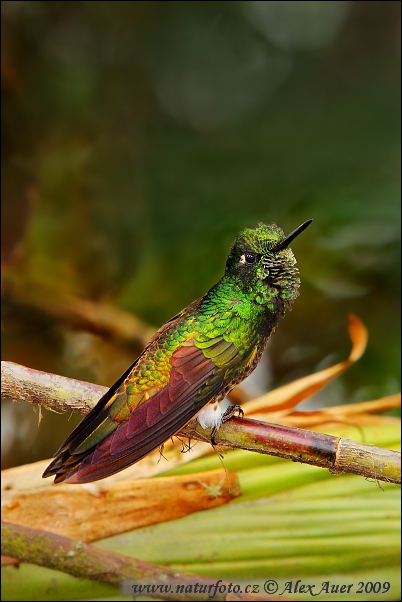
211 416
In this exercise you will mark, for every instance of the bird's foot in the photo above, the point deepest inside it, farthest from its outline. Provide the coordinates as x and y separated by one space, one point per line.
229 413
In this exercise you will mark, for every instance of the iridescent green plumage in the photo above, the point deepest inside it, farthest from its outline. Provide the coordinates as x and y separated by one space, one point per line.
195 359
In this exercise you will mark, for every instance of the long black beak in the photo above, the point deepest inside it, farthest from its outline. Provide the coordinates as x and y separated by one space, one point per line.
286 241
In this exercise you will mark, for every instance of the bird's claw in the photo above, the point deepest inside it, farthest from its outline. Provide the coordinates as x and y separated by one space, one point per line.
229 413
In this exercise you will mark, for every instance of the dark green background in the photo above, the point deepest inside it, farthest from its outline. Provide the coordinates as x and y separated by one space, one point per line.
138 138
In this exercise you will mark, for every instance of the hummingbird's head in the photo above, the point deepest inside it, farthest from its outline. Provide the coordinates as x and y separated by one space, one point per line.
262 262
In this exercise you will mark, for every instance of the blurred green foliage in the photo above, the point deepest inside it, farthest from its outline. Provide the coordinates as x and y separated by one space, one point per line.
138 138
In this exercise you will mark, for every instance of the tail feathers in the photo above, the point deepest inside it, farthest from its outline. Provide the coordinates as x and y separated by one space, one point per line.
63 465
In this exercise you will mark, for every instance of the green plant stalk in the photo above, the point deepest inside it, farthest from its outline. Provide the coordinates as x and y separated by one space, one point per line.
337 540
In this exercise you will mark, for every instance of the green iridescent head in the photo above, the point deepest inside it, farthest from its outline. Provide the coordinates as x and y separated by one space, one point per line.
262 262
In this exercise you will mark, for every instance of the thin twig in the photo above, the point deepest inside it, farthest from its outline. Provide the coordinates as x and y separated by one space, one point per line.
93 316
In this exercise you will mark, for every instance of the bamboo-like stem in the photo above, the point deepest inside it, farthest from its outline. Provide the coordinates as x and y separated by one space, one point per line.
89 562
299 445
309 447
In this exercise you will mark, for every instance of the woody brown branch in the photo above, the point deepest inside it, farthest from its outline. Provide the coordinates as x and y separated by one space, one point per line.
88 562
298 445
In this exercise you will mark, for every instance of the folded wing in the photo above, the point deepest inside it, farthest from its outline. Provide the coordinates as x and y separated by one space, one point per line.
128 423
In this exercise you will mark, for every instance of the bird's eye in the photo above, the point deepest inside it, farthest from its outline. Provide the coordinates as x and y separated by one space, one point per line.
249 258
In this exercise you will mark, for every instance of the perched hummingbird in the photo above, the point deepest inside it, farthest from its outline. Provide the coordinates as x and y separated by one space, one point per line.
190 364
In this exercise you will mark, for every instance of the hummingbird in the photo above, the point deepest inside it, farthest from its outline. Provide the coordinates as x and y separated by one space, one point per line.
192 362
